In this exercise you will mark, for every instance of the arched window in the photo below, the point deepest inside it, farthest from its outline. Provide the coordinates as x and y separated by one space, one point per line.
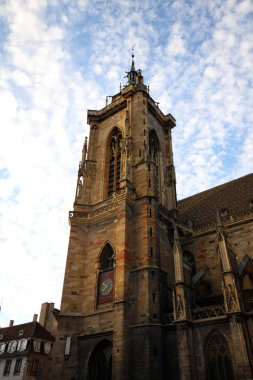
153 147
189 267
190 261
100 363
106 275
114 161
107 258
219 361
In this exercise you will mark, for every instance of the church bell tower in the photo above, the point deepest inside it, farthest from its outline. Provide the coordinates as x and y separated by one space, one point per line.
119 270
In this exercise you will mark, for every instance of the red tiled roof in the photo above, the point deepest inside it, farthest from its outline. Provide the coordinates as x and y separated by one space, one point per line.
234 196
25 331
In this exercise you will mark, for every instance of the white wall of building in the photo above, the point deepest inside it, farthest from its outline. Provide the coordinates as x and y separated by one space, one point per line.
11 376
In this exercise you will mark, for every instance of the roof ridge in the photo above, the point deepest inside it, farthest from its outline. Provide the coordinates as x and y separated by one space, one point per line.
215 187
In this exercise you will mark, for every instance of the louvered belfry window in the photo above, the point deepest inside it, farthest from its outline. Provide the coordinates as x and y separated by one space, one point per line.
114 161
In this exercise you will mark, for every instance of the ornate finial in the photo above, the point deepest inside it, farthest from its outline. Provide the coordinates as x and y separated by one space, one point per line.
218 220
134 77
132 74
176 235
219 226
132 66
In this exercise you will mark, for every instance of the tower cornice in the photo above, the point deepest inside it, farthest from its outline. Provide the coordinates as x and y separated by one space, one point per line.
165 120
99 115
119 102
103 209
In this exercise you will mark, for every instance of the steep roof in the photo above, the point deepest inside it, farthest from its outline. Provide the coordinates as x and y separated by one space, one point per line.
25 331
232 198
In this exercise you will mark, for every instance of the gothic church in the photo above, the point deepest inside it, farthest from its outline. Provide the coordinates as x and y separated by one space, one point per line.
154 288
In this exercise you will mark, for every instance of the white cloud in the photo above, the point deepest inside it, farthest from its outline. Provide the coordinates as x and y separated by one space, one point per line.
37 92
176 43
59 60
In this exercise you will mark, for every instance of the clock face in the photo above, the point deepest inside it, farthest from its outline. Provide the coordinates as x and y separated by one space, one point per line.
106 286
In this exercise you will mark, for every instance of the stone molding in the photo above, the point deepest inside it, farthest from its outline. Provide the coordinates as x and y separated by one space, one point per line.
232 220
103 209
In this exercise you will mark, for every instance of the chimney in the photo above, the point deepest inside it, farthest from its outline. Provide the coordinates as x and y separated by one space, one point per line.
11 323
35 317
45 313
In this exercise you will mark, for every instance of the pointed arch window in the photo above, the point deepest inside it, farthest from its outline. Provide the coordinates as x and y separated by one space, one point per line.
114 161
107 258
153 147
100 363
106 275
189 267
219 362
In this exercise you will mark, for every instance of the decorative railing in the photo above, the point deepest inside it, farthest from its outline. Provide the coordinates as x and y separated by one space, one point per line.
208 312
109 206
201 313
99 113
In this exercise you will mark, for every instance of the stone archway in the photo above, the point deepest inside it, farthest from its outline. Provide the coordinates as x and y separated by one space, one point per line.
100 363
219 361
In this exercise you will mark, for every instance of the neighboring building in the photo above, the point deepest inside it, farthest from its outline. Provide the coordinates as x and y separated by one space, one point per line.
153 288
48 317
24 349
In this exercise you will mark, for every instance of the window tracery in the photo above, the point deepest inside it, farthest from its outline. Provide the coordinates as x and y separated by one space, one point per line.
100 364
107 258
189 266
219 360
189 259
153 147
115 146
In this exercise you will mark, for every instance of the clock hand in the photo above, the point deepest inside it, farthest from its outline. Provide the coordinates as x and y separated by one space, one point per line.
104 285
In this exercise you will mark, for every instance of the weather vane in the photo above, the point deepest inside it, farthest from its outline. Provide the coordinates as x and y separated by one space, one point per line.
133 49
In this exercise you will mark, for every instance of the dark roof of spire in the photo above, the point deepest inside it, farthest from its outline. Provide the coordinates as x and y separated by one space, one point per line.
132 66
132 74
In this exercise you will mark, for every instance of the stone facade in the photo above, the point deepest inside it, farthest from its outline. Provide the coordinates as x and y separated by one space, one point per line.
150 292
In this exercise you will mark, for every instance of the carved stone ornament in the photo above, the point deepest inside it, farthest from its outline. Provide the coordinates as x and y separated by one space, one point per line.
79 187
179 312
108 207
230 298
123 149
90 169
170 174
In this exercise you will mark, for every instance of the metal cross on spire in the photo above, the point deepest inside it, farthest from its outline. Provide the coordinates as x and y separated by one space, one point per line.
131 75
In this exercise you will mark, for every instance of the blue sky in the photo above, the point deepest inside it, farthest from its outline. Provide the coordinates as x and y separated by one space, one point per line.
60 58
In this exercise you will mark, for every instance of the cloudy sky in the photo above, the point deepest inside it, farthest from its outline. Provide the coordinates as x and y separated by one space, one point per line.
59 58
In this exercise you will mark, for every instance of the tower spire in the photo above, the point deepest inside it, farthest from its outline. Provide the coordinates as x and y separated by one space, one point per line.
132 74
